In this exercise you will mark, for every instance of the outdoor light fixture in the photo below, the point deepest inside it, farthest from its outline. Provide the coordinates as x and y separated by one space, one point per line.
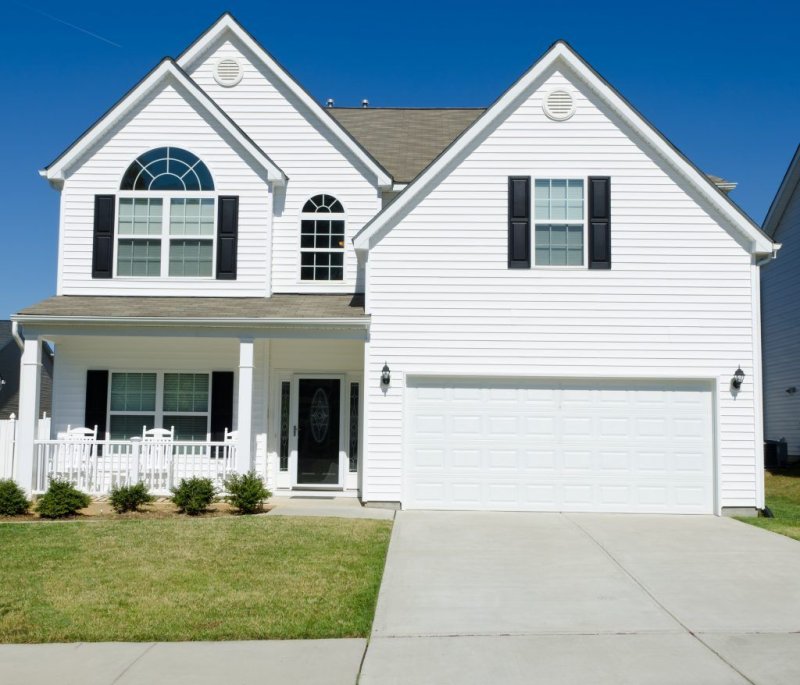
2 382
792 390
738 379
386 376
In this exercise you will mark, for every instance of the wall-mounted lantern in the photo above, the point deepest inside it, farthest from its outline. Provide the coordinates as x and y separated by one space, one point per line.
738 379
2 382
386 376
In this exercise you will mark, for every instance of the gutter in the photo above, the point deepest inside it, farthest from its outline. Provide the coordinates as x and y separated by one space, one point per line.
772 255
361 322
17 336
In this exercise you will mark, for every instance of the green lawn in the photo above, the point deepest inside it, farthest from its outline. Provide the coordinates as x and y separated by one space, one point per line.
233 578
783 498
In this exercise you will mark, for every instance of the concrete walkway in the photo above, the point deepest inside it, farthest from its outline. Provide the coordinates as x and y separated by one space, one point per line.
303 662
340 507
549 598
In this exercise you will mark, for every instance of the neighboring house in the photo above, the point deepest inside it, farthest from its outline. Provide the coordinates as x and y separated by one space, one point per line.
10 354
547 317
780 315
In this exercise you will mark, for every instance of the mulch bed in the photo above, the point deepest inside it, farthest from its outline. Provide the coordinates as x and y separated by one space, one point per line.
100 509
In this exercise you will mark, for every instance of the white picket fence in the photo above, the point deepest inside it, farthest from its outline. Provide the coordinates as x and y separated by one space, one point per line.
8 434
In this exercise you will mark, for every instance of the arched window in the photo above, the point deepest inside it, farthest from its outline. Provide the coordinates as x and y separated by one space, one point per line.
166 206
322 239
167 168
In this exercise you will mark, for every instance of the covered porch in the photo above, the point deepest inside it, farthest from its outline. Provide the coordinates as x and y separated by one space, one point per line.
160 389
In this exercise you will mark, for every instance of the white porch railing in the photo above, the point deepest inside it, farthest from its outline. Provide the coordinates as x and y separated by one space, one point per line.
95 466
8 442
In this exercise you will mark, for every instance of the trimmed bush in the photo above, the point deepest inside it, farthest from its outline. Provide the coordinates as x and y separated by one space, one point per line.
246 492
12 499
194 495
130 497
62 499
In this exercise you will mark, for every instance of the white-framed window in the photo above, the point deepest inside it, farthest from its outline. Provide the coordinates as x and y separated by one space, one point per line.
560 222
322 238
142 400
166 218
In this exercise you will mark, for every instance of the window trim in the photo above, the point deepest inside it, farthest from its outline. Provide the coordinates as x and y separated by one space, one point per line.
158 413
343 216
164 237
585 222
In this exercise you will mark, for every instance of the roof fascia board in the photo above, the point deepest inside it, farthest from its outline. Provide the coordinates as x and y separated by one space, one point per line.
167 68
228 23
561 52
784 194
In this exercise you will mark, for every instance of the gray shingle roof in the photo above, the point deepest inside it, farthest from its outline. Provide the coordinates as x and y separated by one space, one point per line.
187 308
405 141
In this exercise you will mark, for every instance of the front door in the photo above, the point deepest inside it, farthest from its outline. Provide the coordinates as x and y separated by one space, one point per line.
318 431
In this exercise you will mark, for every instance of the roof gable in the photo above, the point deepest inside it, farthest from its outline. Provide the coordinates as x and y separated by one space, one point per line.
227 26
167 71
561 56
781 200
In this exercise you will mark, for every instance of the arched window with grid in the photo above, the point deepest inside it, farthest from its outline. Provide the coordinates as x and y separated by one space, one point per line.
322 223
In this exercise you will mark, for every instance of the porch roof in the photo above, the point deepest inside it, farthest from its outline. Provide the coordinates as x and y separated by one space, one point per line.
288 309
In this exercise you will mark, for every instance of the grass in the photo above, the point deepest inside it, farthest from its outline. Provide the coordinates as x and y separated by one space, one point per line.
783 498
235 578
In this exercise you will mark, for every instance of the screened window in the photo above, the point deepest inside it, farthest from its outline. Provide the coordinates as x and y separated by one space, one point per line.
146 400
186 405
559 222
322 239
162 231
353 452
133 404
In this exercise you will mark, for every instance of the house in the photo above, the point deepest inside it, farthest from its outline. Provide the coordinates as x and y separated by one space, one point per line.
10 354
540 306
780 320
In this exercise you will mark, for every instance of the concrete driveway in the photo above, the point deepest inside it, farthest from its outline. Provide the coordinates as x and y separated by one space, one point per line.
552 598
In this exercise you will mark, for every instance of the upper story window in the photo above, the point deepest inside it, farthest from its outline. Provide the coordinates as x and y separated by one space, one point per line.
560 222
322 239
166 224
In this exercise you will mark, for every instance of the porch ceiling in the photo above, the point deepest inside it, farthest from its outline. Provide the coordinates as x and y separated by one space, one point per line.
188 310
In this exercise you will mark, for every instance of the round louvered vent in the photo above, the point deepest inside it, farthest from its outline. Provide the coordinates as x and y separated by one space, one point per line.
558 105
228 72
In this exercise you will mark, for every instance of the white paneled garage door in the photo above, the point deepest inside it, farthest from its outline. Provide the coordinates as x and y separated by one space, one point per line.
559 446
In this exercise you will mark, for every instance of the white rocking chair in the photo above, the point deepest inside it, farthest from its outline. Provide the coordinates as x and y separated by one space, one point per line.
156 457
74 458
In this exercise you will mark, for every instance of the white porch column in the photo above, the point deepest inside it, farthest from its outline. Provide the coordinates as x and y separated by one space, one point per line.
29 379
244 424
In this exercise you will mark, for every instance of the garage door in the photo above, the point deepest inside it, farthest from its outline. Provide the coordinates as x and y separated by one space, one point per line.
567 446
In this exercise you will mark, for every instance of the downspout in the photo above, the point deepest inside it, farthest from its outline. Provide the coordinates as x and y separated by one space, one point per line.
17 335
759 390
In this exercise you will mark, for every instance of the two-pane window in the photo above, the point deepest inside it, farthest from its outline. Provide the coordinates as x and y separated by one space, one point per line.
559 219
146 233
143 400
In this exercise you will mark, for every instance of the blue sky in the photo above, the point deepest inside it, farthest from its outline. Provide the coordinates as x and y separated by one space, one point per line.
720 79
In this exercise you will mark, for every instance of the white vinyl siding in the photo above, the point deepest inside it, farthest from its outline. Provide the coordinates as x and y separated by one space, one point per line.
780 331
314 162
677 302
166 118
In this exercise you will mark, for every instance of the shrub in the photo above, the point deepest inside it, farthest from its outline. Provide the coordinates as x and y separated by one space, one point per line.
62 499
246 492
193 495
130 497
12 499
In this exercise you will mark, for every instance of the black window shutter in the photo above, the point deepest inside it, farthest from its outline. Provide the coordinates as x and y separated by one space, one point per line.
103 244
599 222
227 237
519 222
96 401
221 404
